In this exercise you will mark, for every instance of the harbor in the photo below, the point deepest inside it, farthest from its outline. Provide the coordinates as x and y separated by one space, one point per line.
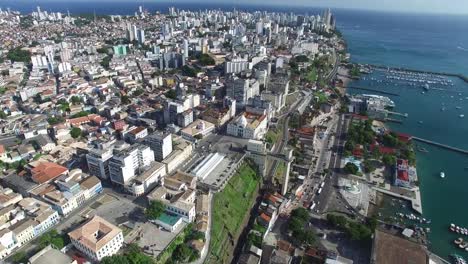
441 104
373 66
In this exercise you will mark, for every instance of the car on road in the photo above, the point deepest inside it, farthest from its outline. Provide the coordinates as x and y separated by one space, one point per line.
322 235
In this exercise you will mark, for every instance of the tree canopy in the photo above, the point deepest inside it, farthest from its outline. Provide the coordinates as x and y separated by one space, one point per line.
351 168
75 132
155 210
20 55
52 238
296 225
206 59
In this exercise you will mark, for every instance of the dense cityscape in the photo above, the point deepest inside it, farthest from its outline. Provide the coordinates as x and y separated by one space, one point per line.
202 137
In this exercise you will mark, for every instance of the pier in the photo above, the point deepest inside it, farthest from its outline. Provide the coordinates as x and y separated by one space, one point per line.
393 120
397 114
430 142
372 90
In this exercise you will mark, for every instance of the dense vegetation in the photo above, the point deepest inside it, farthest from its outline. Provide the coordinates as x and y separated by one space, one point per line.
356 231
132 255
19 55
297 226
205 59
351 168
155 210
53 238
229 210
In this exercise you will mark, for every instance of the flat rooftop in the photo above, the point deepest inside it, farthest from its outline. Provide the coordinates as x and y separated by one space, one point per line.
390 249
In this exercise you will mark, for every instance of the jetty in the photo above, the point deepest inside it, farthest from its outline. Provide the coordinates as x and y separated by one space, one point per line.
372 90
430 142
393 120
397 114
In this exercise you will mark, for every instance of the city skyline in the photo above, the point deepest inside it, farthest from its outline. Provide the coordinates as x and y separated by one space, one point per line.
419 6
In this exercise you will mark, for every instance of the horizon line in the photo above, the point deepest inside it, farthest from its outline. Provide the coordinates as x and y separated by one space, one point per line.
234 5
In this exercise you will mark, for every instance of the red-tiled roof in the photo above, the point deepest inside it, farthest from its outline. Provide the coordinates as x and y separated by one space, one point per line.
404 137
360 117
403 175
46 171
265 217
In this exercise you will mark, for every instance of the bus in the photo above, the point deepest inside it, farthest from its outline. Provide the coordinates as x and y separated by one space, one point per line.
319 191
313 206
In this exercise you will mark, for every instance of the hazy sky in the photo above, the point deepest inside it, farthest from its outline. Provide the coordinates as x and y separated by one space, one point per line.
426 6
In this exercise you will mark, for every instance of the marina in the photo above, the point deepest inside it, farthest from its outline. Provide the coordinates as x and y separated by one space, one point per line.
374 66
422 81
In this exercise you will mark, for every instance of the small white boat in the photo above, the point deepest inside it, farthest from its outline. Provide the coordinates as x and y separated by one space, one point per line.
442 174
458 241
462 116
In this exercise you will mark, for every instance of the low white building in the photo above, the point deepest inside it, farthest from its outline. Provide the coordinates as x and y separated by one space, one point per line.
97 238
178 195
7 243
181 153
207 165
249 126
197 130
151 176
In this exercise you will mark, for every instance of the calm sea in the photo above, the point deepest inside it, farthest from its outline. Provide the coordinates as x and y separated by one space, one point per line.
430 42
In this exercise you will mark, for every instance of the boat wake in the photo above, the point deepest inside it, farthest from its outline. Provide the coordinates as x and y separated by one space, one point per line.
462 48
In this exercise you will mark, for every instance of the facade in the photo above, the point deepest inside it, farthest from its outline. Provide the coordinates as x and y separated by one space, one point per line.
178 195
241 89
260 106
151 176
97 238
402 174
236 66
197 130
98 162
249 126
182 151
185 118
23 231
124 166
279 83
7 243
136 134
72 193
160 144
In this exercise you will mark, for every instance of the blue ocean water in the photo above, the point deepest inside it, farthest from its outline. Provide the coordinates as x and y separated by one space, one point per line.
435 43
429 42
